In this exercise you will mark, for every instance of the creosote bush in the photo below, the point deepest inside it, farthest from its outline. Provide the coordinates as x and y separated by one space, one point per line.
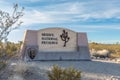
58 73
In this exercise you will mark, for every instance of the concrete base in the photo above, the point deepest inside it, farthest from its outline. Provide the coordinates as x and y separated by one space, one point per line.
82 54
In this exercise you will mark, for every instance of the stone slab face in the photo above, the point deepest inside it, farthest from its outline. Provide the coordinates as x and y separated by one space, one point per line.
31 37
82 39
55 44
49 40
83 46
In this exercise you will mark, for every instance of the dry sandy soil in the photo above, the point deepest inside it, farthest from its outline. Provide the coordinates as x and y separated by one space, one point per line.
91 70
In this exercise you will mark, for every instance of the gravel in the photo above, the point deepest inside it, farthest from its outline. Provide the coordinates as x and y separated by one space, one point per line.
37 70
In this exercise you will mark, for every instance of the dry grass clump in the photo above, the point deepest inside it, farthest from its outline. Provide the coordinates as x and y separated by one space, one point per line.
58 73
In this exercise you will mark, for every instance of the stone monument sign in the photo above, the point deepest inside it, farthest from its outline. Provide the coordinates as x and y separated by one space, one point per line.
55 44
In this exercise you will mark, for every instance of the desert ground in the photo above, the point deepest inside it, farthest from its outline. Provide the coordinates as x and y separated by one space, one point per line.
37 70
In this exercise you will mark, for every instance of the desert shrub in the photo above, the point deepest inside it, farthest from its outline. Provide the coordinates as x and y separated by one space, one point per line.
115 55
99 53
105 50
58 73
8 50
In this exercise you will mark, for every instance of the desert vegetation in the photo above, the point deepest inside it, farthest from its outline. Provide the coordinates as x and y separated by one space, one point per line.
104 50
9 49
58 73
9 21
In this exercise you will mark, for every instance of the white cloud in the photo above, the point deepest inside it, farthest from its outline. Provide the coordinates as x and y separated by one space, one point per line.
98 27
16 30
33 17
4 5
81 11
72 11
50 14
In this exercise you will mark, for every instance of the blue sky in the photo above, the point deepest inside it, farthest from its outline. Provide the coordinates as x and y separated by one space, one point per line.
100 19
